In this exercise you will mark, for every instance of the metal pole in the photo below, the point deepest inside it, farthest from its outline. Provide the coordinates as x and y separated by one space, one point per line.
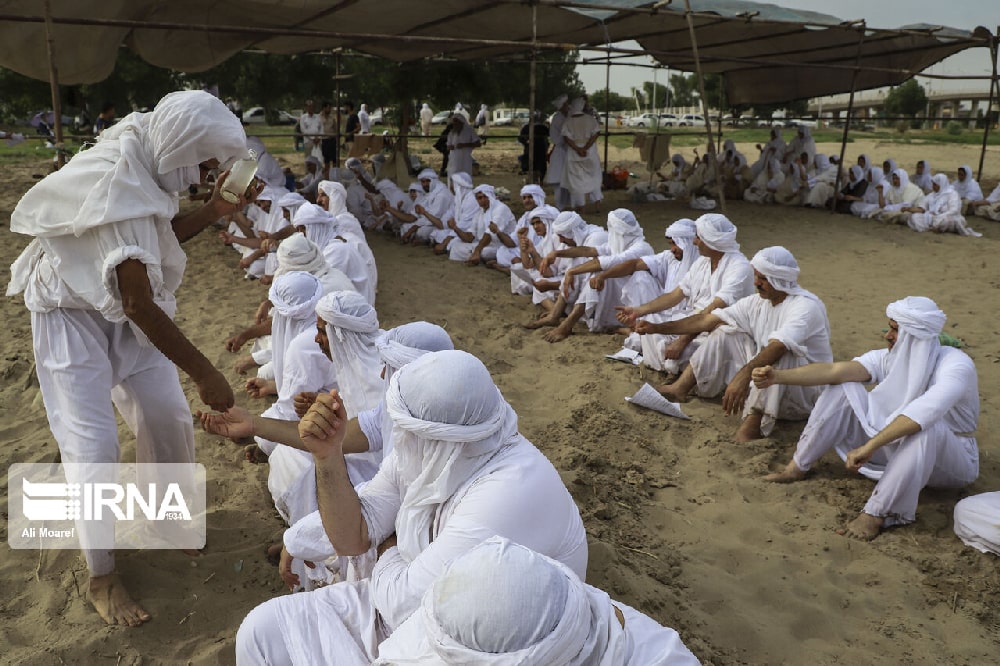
704 106
989 107
607 107
530 166
847 121
54 86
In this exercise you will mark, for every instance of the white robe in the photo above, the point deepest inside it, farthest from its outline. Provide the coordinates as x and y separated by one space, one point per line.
581 174
479 226
599 312
731 281
977 522
943 212
944 454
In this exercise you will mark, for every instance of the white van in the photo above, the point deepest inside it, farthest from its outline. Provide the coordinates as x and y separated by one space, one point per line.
514 117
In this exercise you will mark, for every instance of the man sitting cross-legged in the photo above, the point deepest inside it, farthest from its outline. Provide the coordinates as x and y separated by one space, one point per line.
783 325
914 429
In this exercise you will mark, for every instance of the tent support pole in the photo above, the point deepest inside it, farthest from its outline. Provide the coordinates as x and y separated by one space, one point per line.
340 141
54 86
994 83
847 121
704 105
532 84
607 108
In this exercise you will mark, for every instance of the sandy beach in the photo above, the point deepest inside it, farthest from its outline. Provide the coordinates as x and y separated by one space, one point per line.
680 524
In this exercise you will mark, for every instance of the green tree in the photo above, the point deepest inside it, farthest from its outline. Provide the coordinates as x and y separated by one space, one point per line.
612 101
657 96
907 99
684 88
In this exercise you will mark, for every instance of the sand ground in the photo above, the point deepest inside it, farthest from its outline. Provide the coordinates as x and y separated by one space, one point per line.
680 524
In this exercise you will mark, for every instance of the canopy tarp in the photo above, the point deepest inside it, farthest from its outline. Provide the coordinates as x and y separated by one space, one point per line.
770 54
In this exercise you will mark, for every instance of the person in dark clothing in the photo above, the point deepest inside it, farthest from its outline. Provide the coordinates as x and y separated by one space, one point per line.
541 148
352 127
441 145
853 191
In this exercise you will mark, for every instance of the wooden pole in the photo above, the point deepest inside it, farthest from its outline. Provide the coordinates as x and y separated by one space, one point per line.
847 121
54 86
532 82
607 107
340 120
994 83
704 106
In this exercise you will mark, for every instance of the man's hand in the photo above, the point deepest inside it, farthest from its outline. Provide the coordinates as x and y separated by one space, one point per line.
736 394
285 569
546 262
626 315
856 458
494 228
303 401
258 388
567 284
324 426
263 312
234 342
235 423
764 377
390 542
214 391
246 261
419 209
473 260
597 282
643 327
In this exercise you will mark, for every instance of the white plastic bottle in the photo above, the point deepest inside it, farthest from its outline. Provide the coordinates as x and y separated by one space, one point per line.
239 178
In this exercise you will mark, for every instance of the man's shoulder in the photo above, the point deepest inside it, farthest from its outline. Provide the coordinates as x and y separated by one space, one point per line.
954 357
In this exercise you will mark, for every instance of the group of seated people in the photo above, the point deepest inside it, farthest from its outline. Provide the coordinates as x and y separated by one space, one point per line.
794 174
422 524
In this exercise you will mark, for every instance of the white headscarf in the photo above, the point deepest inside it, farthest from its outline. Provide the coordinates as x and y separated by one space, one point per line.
428 174
569 224
912 360
576 106
780 268
294 296
856 174
134 169
558 102
623 230
904 180
337 195
402 345
318 223
822 162
535 192
941 180
968 188
867 163
716 231
503 604
449 420
923 180
352 329
682 233
292 201
298 253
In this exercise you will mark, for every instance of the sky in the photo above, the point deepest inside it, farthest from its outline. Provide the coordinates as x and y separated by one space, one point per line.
962 14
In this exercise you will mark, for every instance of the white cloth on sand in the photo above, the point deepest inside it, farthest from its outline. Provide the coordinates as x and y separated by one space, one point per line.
977 522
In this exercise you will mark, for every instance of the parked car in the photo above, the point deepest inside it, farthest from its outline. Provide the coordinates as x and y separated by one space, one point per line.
692 120
644 120
441 118
257 115
668 119
804 122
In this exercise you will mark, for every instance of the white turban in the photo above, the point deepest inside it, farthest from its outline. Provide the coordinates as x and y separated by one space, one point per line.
337 195
449 419
353 161
461 179
545 213
298 253
682 228
427 174
292 201
941 180
309 214
501 603
404 344
779 267
717 232
487 190
314 160
821 161
623 230
295 294
535 192
558 102
912 360
569 224
415 186
857 173
352 328
576 106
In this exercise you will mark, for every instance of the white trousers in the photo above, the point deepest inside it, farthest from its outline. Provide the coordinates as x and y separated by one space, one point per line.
724 352
933 457
87 367
337 624
977 522
599 306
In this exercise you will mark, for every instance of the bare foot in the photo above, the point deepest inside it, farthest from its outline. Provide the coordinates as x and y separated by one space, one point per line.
749 430
273 553
113 603
865 527
244 364
254 454
623 330
558 334
540 322
670 393
790 474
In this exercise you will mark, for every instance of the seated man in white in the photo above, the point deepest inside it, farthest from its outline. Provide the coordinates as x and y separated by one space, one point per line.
977 522
967 186
783 325
657 274
719 278
459 473
914 429
534 246
988 207
598 297
532 196
437 201
515 606
489 228
461 213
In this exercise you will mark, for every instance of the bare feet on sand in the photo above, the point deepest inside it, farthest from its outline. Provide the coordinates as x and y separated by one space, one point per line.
113 603
544 320
790 474
558 334
670 393
749 429
865 527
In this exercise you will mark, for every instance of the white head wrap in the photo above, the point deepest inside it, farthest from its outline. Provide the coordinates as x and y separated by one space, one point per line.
353 162
318 223
337 195
904 179
134 168
449 420
779 267
941 180
717 232
292 201
821 161
877 175
427 174
461 179
352 329
968 188
864 162
856 174
546 213
558 102
576 106
535 192
404 344
623 230
569 224
294 296
487 190
298 253
912 360
503 604
805 132
682 233
892 166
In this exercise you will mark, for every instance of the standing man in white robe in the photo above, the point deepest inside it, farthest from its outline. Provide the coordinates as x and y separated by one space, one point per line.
311 124
426 116
914 429
520 607
581 176
782 325
99 279
462 139
459 473
719 278
557 152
